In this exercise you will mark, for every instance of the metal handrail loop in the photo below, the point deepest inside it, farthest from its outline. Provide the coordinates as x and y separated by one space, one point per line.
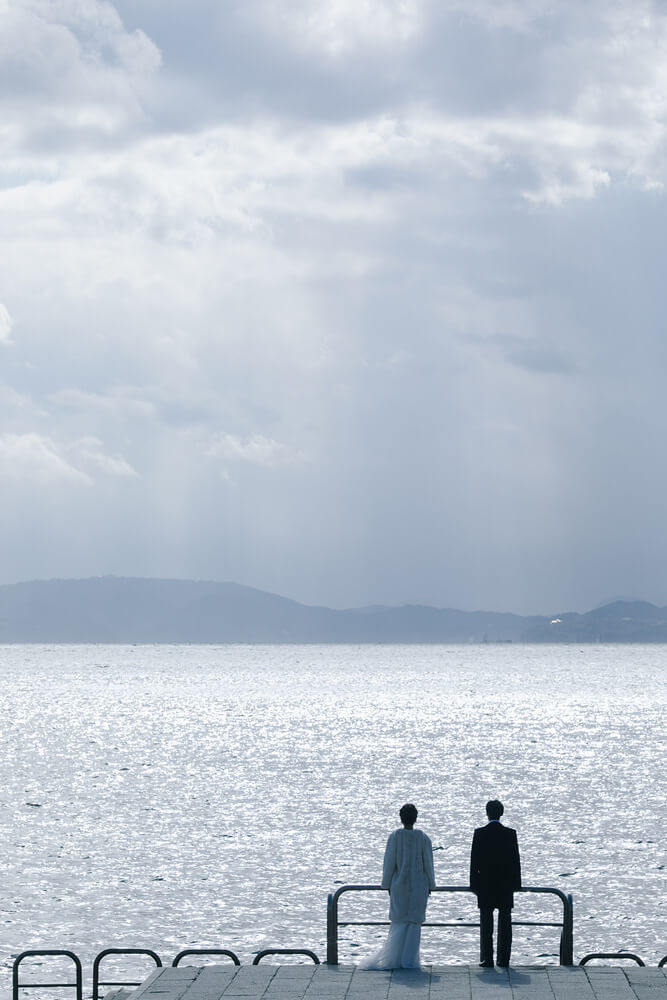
16 985
662 962
285 951
333 923
205 951
97 982
612 954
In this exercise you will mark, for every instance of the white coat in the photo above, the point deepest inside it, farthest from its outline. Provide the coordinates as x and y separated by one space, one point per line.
408 874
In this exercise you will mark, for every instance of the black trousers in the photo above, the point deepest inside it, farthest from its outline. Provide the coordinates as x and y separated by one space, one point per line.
486 934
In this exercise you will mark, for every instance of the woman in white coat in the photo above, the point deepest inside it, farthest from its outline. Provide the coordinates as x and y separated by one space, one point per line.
408 875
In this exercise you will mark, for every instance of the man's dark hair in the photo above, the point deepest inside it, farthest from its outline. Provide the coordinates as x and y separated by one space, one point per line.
494 809
408 814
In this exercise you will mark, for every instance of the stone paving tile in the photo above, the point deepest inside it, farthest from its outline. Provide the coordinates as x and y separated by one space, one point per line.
212 983
363 986
569 984
147 983
369 982
358 988
610 983
647 980
172 986
365 979
322 975
251 973
228 969
209 994
208 981
237 986
295 971
374 994
307 982
302 986
298 995
210 988
377 992
215 971
326 981
235 989
324 986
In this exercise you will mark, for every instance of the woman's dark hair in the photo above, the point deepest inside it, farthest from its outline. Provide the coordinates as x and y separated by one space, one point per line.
408 814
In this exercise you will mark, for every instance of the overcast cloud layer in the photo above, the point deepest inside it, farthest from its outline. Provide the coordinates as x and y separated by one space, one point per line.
360 301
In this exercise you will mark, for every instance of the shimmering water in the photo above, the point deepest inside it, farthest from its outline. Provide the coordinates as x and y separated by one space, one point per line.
180 796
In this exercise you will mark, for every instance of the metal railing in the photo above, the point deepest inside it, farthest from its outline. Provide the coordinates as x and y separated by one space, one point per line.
285 951
566 950
205 951
612 954
333 923
17 985
97 982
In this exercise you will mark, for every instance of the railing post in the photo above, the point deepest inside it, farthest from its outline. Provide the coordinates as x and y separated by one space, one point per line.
97 982
332 929
567 937
17 985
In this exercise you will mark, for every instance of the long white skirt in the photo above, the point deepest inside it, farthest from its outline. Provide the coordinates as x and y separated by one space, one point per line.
400 950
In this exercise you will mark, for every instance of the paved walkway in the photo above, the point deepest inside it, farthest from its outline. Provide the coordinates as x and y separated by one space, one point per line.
437 982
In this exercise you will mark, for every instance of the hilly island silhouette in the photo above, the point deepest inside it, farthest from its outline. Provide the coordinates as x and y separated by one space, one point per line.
113 609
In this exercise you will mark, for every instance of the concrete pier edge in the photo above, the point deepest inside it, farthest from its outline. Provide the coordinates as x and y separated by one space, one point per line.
436 982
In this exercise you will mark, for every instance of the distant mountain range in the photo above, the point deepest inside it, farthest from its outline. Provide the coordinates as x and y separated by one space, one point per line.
131 610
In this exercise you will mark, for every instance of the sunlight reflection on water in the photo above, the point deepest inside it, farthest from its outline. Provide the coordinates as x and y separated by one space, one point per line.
182 796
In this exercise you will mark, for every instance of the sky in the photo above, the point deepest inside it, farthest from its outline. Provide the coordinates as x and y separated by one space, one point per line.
355 301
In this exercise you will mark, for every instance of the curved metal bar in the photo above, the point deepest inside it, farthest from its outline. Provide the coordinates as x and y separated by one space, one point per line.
611 954
540 888
333 923
285 951
663 961
97 982
378 888
17 985
205 951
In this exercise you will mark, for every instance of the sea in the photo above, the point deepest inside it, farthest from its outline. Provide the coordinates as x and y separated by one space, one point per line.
203 796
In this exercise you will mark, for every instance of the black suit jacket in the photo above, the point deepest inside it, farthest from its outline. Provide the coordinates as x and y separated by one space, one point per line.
495 866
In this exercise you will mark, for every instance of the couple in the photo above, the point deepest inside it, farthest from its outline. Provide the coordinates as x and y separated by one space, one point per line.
495 872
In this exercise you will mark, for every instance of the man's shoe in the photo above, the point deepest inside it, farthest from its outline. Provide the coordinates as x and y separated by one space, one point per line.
503 965
486 965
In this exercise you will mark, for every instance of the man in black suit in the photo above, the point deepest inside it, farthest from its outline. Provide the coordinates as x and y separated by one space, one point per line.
495 874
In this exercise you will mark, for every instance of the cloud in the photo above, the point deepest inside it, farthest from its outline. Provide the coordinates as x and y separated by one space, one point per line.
535 355
341 25
39 459
255 450
90 451
121 402
525 62
392 267
5 325
34 458
13 403
75 66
